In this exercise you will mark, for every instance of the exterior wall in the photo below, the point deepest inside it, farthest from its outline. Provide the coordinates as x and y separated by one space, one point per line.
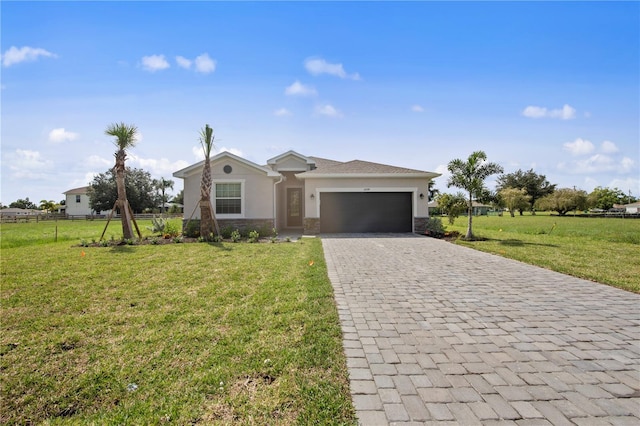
257 189
77 209
291 163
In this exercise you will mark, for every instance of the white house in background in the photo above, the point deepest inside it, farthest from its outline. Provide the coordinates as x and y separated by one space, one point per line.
77 202
311 194
633 207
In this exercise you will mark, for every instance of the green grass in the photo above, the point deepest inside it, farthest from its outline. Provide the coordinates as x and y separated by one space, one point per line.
181 333
605 250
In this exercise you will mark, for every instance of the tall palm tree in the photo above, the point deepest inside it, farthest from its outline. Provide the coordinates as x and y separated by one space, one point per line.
126 137
162 185
207 215
470 175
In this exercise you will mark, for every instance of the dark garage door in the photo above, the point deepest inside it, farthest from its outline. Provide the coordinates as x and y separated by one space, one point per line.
365 212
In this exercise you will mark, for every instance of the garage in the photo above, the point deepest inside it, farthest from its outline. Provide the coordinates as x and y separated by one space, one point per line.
342 212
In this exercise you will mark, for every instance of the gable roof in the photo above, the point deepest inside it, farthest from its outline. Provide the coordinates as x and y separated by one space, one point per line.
75 191
359 168
225 154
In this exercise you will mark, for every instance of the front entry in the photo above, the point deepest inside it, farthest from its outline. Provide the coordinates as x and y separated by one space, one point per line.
294 207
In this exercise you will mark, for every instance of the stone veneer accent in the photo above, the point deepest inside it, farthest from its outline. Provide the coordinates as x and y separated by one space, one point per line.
311 225
420 224
240 224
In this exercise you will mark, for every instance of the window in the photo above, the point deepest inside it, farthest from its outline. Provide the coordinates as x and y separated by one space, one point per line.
228 198
77 198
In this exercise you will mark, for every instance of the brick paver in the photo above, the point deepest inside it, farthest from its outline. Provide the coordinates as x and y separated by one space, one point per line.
438 333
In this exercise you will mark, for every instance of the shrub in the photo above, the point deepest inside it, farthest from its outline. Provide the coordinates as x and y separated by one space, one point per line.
171 230
158 225
235 236
226 232
192 229
254 236
434 228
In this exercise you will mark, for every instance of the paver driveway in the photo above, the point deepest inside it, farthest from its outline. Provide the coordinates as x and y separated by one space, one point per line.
438 333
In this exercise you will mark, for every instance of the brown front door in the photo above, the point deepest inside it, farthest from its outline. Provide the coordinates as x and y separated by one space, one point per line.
294 207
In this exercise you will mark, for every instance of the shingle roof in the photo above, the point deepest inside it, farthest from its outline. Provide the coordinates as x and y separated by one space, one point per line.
74 191
359 167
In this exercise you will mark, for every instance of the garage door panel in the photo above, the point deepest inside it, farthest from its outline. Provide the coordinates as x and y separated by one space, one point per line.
365 212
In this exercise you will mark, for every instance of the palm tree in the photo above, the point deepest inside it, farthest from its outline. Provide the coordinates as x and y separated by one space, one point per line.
162 185
126 136
207 214
470 176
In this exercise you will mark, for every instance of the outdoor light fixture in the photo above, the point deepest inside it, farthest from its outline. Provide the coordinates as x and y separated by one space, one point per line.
313 196
421 196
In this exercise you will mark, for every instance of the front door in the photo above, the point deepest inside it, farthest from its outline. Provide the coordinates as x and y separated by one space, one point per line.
294 207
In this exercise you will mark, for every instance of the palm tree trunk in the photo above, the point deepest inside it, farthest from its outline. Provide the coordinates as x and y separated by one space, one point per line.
206 213
470 220
123 203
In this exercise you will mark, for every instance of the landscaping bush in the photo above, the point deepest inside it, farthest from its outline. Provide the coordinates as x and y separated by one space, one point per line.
193 229
434 228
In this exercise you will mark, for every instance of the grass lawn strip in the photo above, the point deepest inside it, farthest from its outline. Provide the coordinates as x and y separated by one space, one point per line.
182 333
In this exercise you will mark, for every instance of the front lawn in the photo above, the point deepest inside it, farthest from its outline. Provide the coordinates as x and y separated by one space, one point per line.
605 250
182 333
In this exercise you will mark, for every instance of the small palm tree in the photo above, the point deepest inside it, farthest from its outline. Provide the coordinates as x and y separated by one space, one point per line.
470 175
126 137
207 214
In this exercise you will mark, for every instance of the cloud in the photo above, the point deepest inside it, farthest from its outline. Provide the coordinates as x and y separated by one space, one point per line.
328 110
28 164
154 63
299 89
97 161
234 151
317 66
62 135
183 62
567 112
204 64
598 163
579 147
417 108
16 55
282 112
158 167
608 147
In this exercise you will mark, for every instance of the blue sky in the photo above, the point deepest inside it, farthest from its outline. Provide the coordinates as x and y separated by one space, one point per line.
543 85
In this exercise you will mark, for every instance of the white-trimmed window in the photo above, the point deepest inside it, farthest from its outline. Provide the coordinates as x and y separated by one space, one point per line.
228 196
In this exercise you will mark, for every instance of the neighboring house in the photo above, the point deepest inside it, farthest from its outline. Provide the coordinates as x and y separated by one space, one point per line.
633 207
478 209
77 202
18 213
311 194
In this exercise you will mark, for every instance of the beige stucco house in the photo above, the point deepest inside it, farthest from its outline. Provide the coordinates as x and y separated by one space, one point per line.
311 194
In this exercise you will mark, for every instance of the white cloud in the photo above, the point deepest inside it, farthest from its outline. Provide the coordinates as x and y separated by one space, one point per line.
28 164
567 112
609 147
97 161
183 62
598 163
626 185
282 112
328 110
204 64
157 167
197 152
154 63
233 151
579 147
16 55
299 89
317 66
417 108
62 135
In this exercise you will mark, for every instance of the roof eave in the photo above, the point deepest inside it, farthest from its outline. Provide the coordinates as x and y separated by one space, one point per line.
425 175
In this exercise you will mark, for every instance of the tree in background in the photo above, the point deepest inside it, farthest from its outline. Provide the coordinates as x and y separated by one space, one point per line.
470 175
126 136
162 185
605 198
432 191
47 206
179 198
563 201
514 199
141 192
452 205
536 186
23 204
